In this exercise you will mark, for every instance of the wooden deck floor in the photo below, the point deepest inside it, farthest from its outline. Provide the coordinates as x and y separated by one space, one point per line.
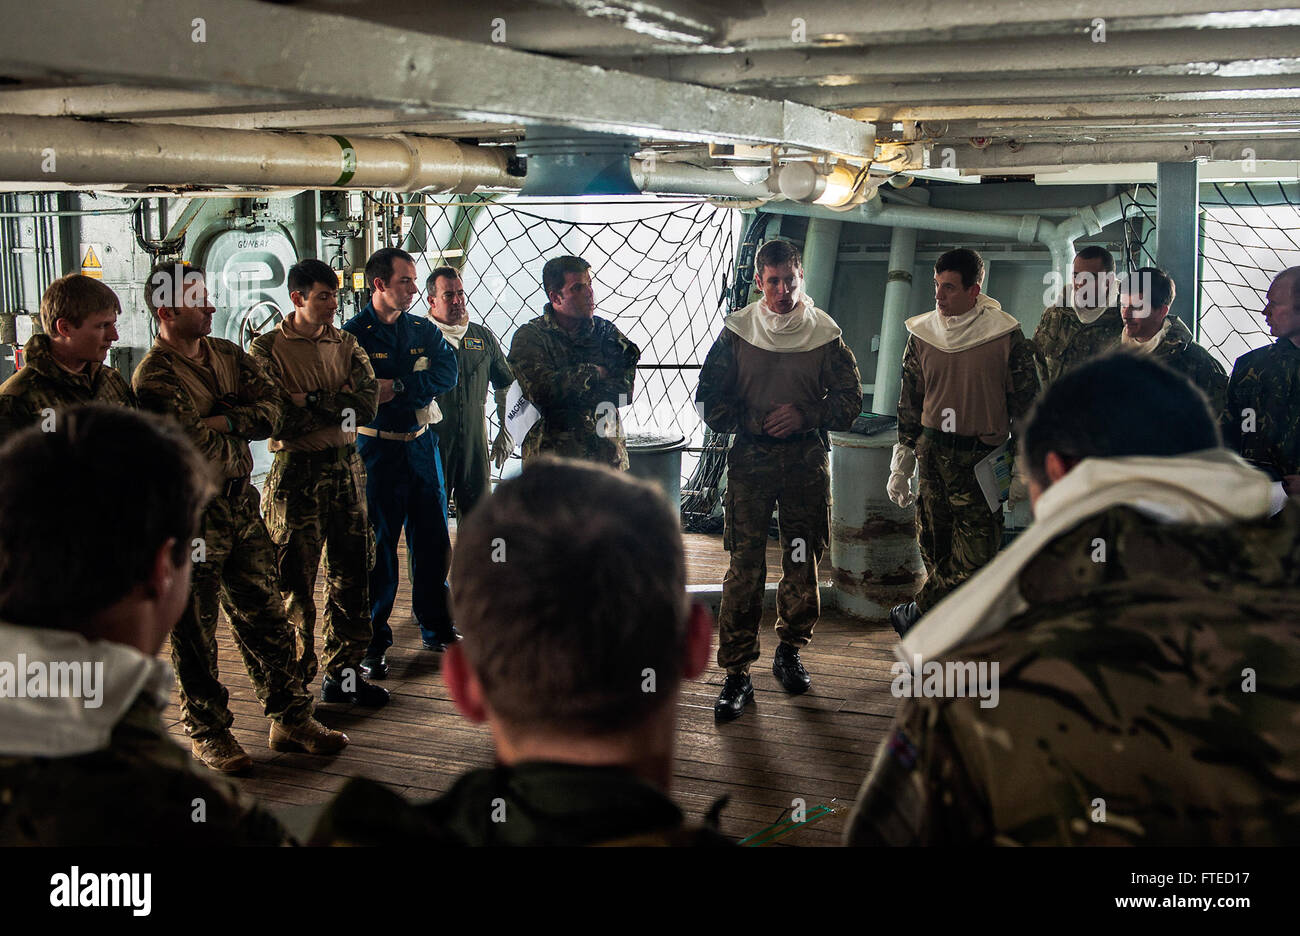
816 747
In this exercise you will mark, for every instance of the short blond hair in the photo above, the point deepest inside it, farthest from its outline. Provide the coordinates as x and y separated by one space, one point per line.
75 297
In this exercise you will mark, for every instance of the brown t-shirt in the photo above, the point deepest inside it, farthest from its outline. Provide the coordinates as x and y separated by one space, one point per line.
973 384
766 379
312 364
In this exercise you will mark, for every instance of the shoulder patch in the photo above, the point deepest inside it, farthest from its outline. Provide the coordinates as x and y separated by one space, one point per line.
472 344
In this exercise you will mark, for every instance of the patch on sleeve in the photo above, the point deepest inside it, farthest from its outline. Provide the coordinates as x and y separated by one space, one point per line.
902 749
473 344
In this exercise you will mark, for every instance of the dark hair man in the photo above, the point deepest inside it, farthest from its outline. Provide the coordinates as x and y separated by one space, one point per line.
404 486
1145 298
315 494
1261 418
577 368
778 376
89 588
579 684
222 399
968 372
1135 651
65 365
462 431
1068 335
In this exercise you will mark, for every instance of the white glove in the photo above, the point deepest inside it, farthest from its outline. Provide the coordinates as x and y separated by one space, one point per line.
901 468
502 448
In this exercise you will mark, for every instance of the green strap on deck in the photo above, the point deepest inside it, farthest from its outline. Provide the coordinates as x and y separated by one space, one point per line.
773 832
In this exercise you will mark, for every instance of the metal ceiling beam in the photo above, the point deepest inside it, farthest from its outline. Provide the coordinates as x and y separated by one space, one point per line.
1080 110
1233 52
887 21
825 22
479 82
1019 90
126 103
1038 155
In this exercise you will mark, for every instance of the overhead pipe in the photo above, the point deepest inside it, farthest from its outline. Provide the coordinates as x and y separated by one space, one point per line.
1026 228
88 152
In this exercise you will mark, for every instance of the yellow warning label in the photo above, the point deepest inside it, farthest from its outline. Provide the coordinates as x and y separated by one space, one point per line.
359 280
90 263
340 276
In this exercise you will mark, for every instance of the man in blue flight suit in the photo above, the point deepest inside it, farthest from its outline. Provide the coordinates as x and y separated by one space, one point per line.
404 485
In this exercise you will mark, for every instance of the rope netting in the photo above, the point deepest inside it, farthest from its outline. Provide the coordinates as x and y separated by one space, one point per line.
1247 238
1249 232
661 269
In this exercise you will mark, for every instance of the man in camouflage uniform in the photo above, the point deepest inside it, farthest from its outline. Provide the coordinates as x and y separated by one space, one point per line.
968 372
584 749
222 398
1147 636
316 491
65 365
1149 329
778 377
1261 418
96 518
1069 335
462 434
576 368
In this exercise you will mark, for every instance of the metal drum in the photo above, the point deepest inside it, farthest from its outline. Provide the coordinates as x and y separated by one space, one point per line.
658 458
875 560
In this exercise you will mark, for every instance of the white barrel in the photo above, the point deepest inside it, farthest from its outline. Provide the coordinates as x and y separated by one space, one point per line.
875 560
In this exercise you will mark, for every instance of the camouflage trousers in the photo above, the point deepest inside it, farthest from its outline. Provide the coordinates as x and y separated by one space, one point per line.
316 502
234 569
958 533
763 475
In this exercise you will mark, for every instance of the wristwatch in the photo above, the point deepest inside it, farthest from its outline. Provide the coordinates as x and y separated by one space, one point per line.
313 397
397 385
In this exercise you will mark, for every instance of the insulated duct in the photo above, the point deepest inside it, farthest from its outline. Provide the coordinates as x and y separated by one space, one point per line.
83 152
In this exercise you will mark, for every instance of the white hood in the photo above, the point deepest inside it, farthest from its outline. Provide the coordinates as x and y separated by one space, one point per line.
803 328
1214 487
982 324
108 678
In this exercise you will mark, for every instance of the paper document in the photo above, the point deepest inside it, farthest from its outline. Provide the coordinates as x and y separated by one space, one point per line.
993 472
520 414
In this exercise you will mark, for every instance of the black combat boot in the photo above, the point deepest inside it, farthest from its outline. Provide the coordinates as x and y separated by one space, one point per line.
366 694
737 691
788 669
904 617
441 642
375 667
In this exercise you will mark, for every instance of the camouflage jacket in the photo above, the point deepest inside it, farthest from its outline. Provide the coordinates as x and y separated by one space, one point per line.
1146 700
723 409
1022 377
254 412
557 373
1179 350
361 395
532 804
141 790
1261 419
1062 342
42 384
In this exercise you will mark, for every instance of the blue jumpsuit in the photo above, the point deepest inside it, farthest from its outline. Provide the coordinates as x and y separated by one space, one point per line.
404 483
